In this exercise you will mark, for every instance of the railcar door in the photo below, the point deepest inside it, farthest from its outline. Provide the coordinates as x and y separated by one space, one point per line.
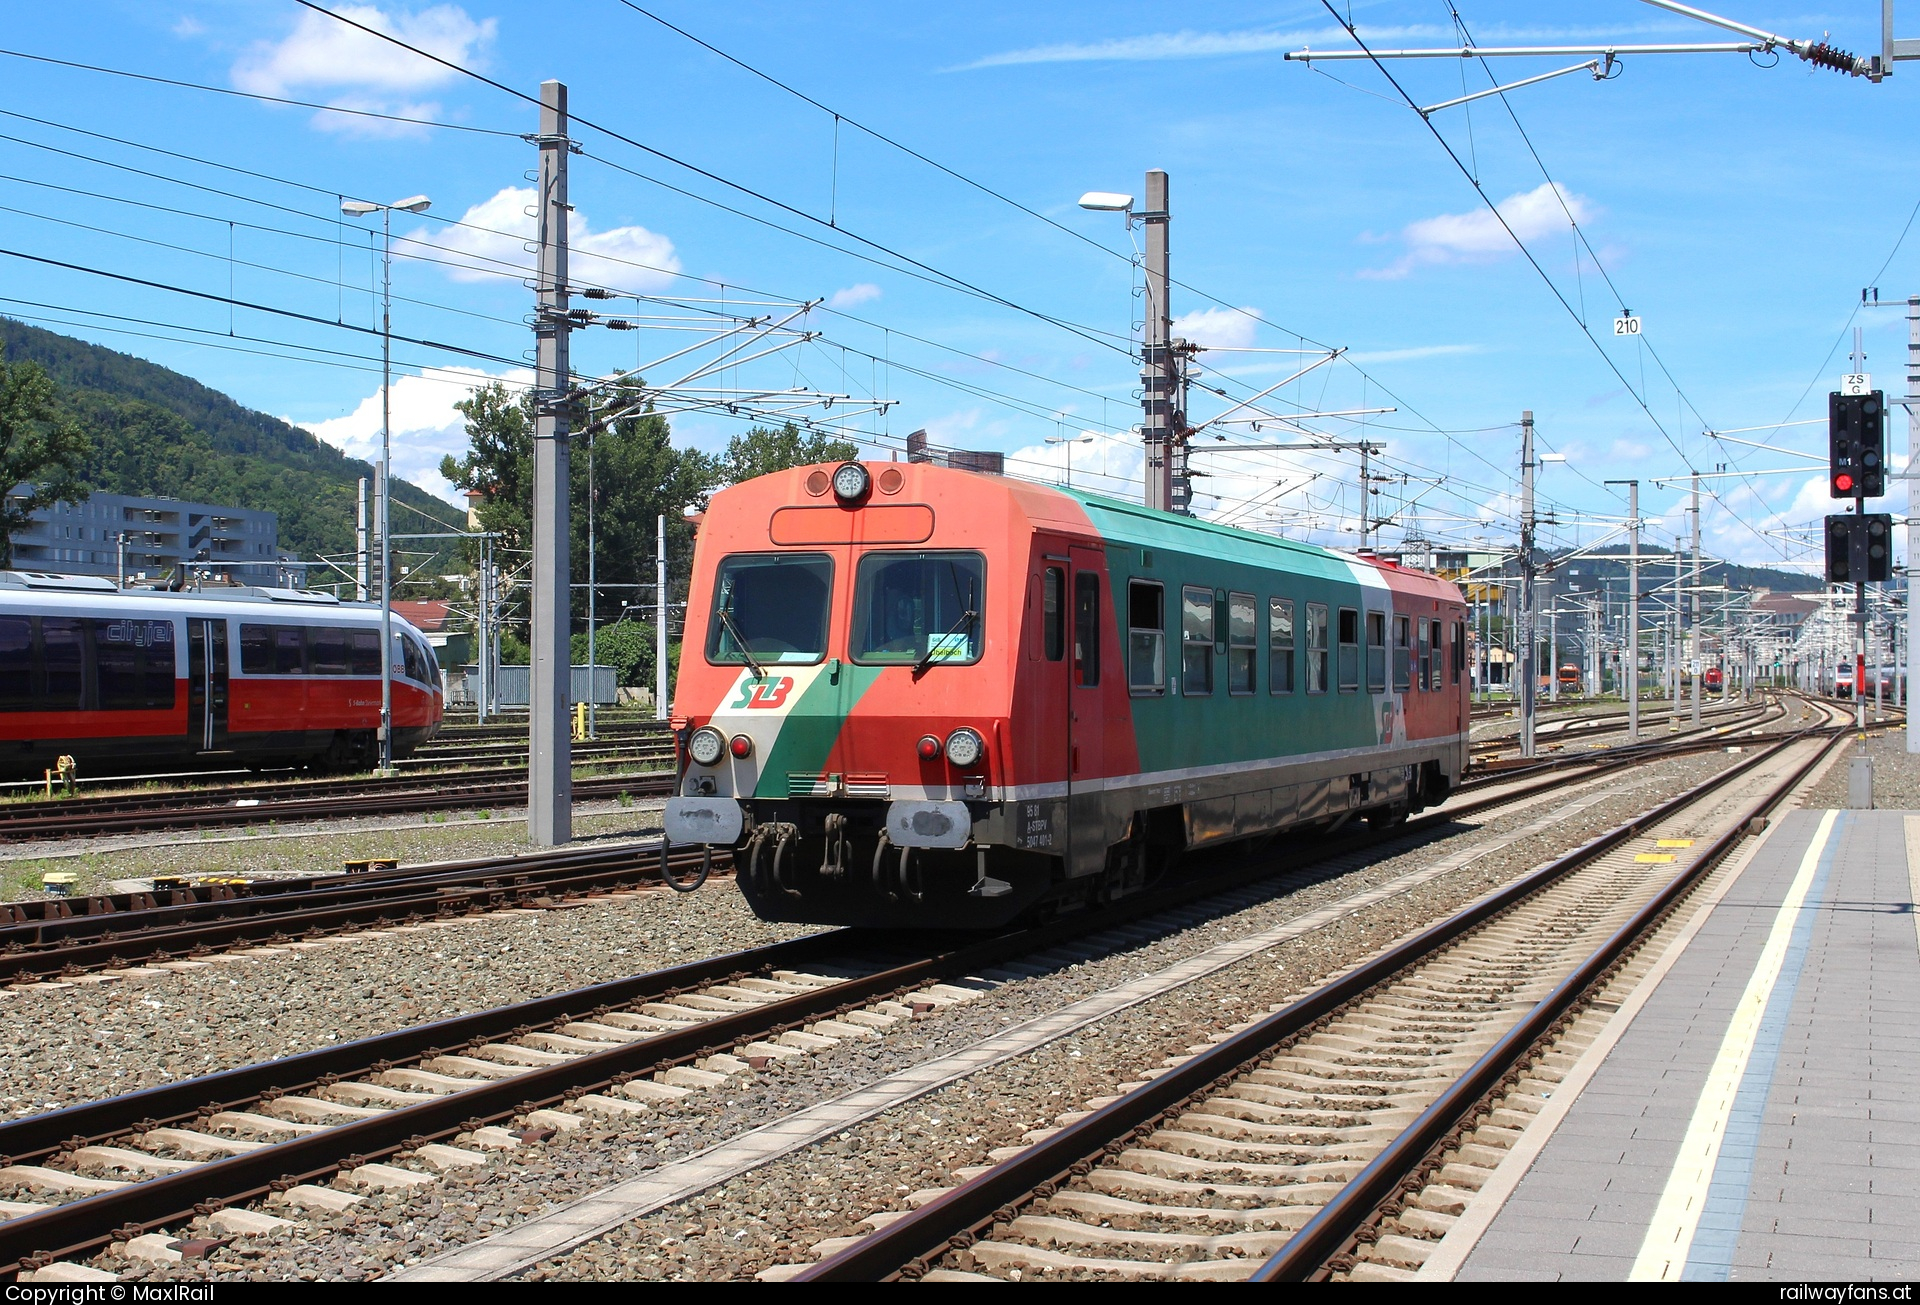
1086 718
207 683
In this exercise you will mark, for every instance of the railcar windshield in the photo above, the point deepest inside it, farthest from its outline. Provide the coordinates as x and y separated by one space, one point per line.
774 603
919 608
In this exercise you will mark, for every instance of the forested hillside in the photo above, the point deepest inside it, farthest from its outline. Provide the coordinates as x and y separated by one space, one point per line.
157 432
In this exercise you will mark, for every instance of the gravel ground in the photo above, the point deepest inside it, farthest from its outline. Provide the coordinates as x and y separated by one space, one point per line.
1896 775
318 847
59 1047
758 1220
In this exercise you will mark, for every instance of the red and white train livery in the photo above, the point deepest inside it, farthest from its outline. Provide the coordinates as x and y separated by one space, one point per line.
137 678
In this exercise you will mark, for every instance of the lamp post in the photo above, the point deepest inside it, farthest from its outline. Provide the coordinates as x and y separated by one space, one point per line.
361 208
1069 441
1163 419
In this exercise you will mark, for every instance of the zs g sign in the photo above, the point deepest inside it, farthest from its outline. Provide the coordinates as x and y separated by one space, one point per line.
762 691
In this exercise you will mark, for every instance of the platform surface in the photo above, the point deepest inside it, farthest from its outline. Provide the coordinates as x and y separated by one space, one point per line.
1759 1119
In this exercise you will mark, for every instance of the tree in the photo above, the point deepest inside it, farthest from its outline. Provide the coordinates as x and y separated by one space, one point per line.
762 450
627 646
42 451
637 476
499 461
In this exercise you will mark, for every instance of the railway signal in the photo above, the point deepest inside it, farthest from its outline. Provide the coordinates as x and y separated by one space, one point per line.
1856 445
1859 548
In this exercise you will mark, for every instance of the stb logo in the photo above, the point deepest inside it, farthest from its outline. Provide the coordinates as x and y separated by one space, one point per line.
762 691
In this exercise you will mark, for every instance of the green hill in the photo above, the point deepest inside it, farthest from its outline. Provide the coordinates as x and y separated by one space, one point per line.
156 431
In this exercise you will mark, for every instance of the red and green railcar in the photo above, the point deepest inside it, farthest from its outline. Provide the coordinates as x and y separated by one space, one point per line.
910 695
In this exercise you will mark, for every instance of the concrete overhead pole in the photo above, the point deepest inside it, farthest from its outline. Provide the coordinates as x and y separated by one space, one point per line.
660 622
1158 372
1913 448
550 764
1527 650
360 544
1697 661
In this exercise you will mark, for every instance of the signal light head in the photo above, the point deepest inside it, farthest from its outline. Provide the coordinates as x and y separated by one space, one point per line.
1843 482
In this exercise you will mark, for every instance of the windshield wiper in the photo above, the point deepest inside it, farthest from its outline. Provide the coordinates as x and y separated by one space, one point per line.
926 659
740 640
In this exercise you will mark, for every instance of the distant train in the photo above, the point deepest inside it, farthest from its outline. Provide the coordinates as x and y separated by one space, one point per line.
1569 675
918 696
249 676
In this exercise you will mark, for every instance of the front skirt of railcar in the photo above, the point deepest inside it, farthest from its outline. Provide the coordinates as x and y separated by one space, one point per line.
871 862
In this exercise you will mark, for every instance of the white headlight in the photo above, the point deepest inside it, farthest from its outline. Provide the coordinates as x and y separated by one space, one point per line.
850 482
706 745
964 747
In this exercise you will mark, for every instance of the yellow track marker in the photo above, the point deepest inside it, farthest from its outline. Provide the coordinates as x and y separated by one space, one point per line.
1653 858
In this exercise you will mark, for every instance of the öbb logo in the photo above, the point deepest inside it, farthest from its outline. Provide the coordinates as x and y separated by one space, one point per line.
762 691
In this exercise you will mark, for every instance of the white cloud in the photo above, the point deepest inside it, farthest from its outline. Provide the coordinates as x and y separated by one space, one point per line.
1187 45
493 237
356 70
1477 236
425 425
188 27
854 295
1415 353
1221 328
1105 464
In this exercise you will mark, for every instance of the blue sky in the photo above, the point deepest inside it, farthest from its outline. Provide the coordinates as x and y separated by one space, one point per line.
1737 209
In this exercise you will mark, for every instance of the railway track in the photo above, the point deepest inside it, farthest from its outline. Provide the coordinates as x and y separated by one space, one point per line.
390 1110
56 936
1551 732
129 929
1343 1134
307 800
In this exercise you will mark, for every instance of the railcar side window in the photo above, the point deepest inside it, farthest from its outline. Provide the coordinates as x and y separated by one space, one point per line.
1196 641
366 652
1459 650
16 664
1053 613
289 650
67 663
65 660
1146 637
776 603
327 651
1349 650
913 606
1376 652
1279 645
1316 647
1241 641
1086 629
1433 657
256 650
414 657
1423 665
1402 653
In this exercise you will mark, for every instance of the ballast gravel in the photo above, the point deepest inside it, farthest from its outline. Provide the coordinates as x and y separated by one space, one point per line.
776 1213
68 1045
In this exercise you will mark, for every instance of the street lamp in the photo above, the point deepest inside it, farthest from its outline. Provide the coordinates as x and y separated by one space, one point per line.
361 208
1069 441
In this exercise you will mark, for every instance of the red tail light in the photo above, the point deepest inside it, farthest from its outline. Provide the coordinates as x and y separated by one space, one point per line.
929 748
